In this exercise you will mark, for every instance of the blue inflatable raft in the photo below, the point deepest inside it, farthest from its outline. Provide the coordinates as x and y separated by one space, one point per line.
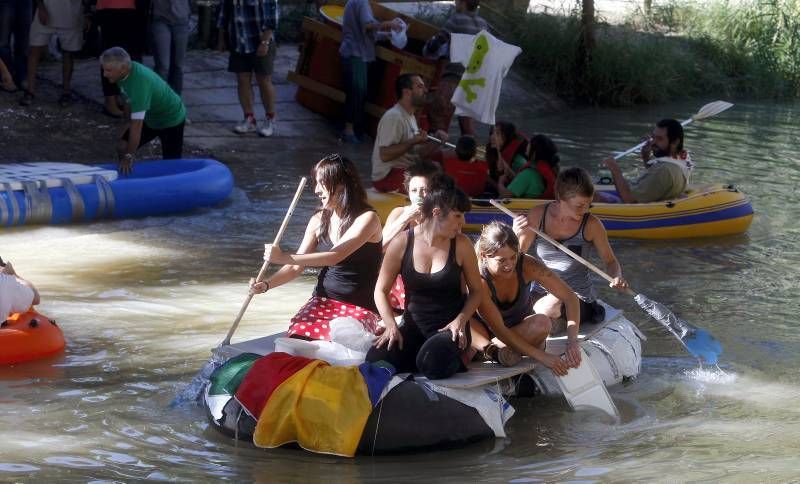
61 193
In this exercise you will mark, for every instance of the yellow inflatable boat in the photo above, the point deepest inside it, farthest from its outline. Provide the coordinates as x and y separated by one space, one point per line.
703 211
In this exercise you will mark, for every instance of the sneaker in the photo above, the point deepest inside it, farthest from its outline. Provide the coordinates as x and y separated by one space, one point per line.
246 126
503 355
507 356
266 128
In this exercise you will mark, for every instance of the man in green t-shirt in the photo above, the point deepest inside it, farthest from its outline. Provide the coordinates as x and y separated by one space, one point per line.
153 108
668 168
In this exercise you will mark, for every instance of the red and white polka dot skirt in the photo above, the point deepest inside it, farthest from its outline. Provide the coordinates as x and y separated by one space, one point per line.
397 295
313 319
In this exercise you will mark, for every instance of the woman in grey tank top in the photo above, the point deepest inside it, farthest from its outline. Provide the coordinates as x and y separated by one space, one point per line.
507 321
567 220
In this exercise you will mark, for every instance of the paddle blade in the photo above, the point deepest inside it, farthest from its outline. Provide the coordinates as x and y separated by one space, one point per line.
698 342
712 109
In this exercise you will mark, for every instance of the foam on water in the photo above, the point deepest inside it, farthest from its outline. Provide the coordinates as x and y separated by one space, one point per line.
714 375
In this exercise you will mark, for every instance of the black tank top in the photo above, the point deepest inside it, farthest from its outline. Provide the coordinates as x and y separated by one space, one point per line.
522 306
353 279
432 300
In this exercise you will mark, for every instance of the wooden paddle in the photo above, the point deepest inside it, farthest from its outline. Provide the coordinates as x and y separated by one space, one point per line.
707 111
265 265
192 391
698 342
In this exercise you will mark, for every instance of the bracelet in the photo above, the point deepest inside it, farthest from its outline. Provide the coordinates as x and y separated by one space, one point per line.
267 283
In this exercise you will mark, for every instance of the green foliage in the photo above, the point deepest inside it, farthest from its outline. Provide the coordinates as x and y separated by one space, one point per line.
683 48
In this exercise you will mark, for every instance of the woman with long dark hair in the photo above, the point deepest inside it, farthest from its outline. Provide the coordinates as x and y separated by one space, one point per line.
344 239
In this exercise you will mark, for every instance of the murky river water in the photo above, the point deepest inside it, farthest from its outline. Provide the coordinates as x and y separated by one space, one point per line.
143 301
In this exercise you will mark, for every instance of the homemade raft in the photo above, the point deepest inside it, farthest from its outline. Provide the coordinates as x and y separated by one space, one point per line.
414 413
319 75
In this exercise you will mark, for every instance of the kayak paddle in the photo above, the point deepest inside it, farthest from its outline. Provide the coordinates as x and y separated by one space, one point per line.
697 341
707 111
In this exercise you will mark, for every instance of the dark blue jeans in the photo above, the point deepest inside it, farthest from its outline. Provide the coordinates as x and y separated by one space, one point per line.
15 20
169 51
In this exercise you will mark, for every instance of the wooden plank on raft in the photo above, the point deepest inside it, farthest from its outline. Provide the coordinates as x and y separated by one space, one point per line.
329 92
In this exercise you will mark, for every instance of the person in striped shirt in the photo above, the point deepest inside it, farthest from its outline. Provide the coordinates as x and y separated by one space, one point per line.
247 28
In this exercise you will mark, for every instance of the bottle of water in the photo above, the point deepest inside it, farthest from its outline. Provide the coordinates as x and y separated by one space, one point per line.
604 177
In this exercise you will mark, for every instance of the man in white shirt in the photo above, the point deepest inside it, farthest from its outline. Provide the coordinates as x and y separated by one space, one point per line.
398 139
16 293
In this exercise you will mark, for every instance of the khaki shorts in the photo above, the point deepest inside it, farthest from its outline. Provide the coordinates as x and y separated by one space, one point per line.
71 39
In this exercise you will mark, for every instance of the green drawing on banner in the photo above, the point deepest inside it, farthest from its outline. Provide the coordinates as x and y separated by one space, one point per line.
466 85
479 51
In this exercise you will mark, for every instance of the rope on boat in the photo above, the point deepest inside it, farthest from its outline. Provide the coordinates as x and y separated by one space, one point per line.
75 199
38 204
105 197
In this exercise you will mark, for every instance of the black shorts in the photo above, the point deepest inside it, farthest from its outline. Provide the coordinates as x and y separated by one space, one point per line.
261 65
171 139
592 312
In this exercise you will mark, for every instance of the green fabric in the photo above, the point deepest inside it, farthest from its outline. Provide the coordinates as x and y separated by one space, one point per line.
226 379
527 184
662 181
148 92
518 162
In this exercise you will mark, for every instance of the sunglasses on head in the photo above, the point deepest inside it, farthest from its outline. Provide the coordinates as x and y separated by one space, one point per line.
333 157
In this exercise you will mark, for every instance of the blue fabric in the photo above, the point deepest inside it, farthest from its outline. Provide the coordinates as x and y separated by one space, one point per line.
356 42
376 376
245 20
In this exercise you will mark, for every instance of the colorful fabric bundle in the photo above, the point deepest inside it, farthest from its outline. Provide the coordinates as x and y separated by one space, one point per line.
321 407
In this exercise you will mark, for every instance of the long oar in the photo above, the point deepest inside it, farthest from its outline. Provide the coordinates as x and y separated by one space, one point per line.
707 111
698 342
192 391
265 265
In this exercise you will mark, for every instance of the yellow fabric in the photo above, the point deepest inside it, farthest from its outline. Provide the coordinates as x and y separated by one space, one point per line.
323 408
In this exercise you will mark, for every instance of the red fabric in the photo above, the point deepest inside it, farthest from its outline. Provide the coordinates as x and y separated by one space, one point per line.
549 176
469 176
513 146
393 181
264 377
312 321
397 295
